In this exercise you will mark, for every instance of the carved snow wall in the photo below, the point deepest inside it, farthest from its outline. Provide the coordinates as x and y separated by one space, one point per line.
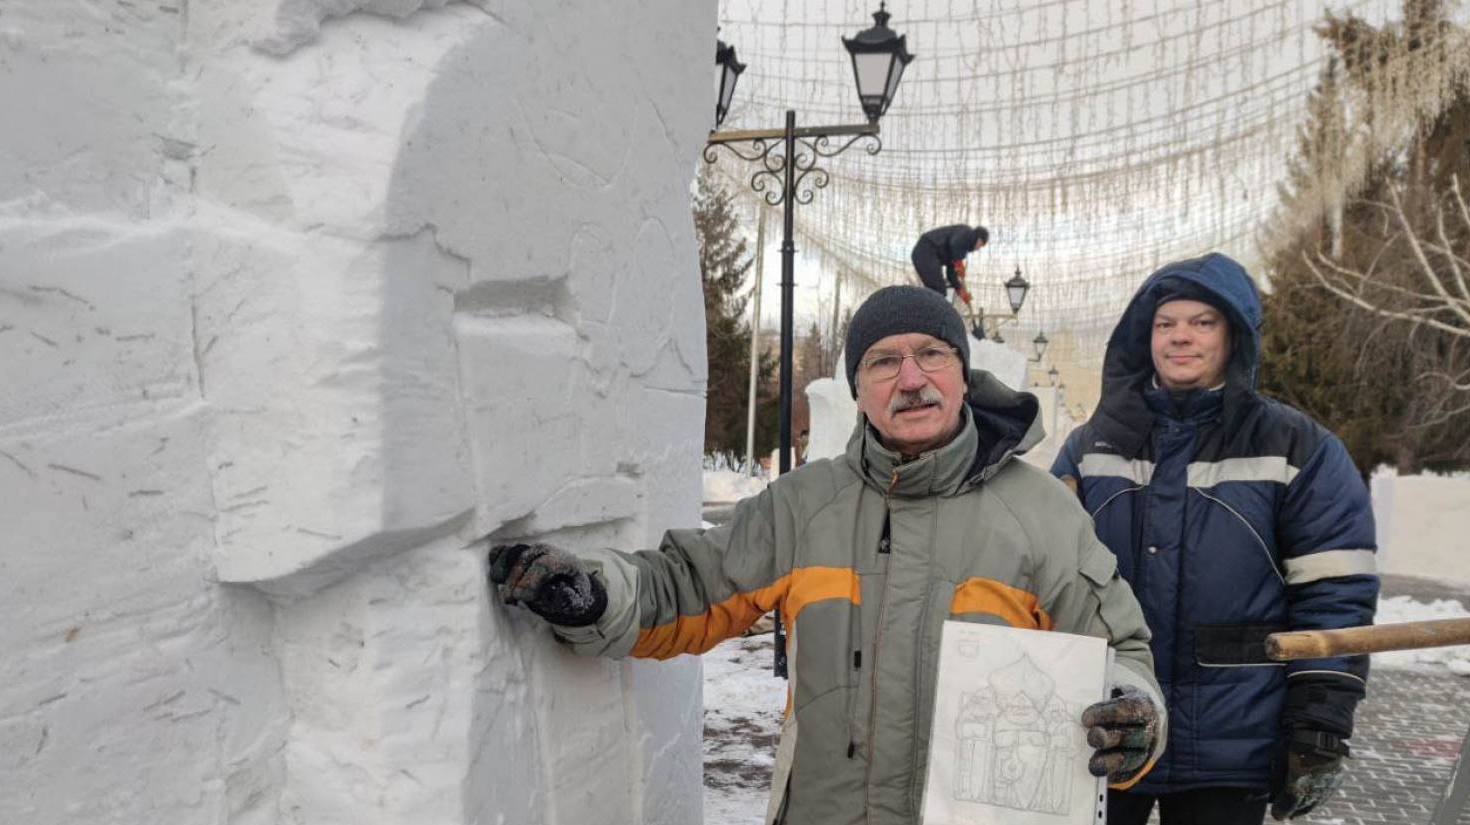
300 300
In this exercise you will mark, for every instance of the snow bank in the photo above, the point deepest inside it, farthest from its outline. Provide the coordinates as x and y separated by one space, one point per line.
1397 609
726 486
1422 524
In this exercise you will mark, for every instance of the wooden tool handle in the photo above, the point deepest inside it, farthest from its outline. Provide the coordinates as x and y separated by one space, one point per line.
1350 641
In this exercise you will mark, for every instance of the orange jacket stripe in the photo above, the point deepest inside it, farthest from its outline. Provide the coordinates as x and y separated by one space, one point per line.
1123 786
699 633
1017 607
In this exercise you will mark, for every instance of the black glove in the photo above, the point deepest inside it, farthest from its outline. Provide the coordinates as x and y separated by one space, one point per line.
1124 730
549 581
1308 769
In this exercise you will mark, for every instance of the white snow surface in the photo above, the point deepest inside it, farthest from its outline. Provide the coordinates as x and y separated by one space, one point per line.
729 486
743 701
300 300
1396 609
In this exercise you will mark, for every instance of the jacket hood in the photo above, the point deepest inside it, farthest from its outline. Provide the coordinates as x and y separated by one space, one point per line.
1123 416
1000 423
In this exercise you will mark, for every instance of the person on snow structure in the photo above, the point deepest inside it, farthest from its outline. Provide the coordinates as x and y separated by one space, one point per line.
929 516
939 257
1232 516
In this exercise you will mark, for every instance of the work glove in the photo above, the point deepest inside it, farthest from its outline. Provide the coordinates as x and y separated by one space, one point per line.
964 295
1124 730
1308 769
549 581
959 268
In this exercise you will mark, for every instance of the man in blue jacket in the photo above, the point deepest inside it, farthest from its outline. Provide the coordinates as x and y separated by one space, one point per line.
1232 516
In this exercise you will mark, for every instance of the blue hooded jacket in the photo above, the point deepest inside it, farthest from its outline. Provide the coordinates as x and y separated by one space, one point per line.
1232 516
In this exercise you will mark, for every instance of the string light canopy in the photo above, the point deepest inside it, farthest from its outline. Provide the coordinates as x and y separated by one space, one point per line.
1096 139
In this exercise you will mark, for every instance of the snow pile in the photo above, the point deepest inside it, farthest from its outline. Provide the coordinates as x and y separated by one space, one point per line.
728 486
1422 521
1396 609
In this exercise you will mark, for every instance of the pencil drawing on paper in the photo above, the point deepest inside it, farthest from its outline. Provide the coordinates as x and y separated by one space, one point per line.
1015 742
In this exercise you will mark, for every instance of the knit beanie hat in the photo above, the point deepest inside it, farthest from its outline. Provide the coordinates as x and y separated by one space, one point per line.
899 310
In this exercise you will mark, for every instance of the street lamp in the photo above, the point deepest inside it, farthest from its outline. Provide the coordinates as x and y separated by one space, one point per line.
1051 376
879 56
1016 289
730 70
1040 343
787 158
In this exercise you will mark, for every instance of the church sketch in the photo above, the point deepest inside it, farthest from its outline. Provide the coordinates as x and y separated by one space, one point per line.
1015 742
1007 744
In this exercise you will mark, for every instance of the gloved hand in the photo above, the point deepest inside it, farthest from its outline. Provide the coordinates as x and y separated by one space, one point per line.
964 295
959 268
548 581
1124 730
1308 769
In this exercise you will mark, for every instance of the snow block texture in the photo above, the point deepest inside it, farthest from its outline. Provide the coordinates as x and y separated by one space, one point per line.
300 300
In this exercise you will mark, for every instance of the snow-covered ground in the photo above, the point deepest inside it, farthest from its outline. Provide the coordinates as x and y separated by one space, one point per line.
1404 609
728 486
743 703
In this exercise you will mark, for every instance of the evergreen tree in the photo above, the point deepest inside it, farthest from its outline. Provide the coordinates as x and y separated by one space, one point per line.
724 264
1379 384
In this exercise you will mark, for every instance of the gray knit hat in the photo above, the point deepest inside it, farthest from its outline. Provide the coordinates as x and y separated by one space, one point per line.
899 310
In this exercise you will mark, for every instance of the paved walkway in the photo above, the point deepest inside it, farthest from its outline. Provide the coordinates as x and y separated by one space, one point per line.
1406 735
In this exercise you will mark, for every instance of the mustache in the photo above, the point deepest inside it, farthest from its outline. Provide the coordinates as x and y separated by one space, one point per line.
908 399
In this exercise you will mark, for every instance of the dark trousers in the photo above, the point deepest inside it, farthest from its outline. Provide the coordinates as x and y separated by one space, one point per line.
1202 806
930 267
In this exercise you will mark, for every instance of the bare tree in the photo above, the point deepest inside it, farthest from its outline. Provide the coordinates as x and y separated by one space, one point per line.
1420 276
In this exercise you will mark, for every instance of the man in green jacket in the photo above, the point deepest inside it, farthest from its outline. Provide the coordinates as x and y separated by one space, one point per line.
929 517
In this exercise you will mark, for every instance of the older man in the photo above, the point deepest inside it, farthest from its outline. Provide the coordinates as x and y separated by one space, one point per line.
928 517
1232 516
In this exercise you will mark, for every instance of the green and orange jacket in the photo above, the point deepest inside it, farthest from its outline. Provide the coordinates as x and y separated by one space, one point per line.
867 556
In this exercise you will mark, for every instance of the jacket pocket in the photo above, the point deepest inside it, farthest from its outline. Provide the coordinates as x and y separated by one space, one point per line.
1233 645
1119 613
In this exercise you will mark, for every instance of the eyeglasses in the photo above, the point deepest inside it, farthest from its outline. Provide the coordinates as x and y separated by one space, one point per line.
885 366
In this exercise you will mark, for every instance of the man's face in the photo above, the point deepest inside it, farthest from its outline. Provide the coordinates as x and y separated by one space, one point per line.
979 244
1190 345
913 411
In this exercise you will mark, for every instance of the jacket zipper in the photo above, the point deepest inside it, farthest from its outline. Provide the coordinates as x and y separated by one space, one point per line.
885 546
917 757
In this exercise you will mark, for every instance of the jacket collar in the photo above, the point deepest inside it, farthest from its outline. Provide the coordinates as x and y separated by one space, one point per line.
938 472
999 423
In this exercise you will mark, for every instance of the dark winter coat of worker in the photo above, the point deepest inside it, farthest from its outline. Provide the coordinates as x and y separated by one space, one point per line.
930 516
939 256
1232 516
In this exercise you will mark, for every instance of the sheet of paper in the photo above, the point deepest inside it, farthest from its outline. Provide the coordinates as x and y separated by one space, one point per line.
1008 745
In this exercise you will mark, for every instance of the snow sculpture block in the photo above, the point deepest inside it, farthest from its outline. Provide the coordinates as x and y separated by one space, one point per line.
299 301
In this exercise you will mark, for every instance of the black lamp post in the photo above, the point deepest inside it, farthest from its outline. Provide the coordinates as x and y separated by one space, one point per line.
787 156
1040 343
1016 289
